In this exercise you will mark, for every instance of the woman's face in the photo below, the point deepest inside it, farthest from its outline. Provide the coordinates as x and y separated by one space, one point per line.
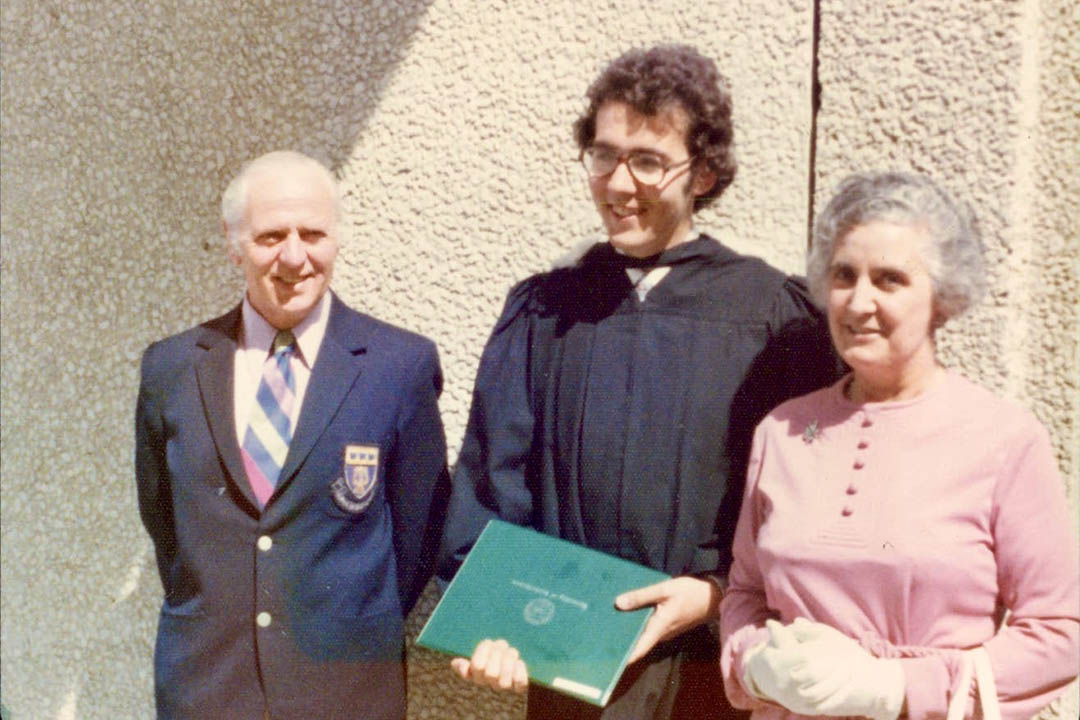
881 304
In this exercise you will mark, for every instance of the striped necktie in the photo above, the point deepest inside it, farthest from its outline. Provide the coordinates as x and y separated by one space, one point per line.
266 442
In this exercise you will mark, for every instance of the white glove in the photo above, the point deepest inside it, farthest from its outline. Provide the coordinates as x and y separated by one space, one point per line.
813 669
841 678
773 670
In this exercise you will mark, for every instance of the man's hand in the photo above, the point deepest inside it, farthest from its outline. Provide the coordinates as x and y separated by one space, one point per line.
494 664
681 603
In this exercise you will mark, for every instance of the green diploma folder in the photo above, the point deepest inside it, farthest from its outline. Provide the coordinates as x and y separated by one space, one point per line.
552 600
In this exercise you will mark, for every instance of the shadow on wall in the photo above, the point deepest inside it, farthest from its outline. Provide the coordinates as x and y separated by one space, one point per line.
150 107
121 123
236 77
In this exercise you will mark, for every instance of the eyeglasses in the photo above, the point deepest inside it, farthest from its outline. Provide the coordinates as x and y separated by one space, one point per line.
645 167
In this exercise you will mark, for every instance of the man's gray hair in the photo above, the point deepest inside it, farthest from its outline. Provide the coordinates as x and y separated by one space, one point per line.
954 257
235 198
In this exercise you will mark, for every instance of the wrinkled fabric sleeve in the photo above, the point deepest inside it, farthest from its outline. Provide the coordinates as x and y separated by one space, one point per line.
744 609
151 472
806 357
418 482
1037 651
797 358
489 479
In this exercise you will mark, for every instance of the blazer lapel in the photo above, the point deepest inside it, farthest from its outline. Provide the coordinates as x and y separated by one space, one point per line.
336 369
215 374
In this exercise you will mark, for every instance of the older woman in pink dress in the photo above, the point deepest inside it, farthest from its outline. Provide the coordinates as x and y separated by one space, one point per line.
904 545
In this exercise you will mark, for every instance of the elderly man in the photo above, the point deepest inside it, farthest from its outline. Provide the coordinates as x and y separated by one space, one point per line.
617 396
291 471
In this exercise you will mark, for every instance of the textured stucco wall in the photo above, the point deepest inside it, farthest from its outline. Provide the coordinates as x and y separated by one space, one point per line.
448 122
983 96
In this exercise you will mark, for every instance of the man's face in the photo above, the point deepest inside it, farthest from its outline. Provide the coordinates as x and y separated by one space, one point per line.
643 220
288 242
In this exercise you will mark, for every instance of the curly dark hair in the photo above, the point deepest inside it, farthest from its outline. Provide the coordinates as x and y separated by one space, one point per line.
650 80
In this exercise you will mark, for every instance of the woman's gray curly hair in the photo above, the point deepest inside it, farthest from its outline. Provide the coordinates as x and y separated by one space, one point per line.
954 257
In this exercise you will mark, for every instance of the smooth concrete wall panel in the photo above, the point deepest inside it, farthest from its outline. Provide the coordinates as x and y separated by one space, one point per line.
1050 133
448 122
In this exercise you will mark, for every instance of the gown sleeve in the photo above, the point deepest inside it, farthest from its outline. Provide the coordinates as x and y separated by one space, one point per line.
805 355
797 358
1036 652
489 479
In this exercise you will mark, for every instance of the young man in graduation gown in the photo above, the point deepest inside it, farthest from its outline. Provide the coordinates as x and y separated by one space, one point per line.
616 397
291 471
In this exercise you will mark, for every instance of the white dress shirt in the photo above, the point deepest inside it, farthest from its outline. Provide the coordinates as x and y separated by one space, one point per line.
257 336
644 281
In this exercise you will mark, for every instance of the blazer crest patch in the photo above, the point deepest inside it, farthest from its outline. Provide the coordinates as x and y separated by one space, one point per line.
355 489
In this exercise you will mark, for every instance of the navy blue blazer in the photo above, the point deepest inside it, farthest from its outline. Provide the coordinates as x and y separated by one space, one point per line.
297 609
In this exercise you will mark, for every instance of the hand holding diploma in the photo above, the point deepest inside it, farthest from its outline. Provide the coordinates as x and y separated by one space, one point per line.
495 664
681 603
550 618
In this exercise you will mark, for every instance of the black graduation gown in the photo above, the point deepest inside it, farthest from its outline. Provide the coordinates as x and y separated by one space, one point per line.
625 425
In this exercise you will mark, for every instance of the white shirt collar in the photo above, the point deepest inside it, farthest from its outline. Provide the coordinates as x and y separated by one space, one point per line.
309 332
643 281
